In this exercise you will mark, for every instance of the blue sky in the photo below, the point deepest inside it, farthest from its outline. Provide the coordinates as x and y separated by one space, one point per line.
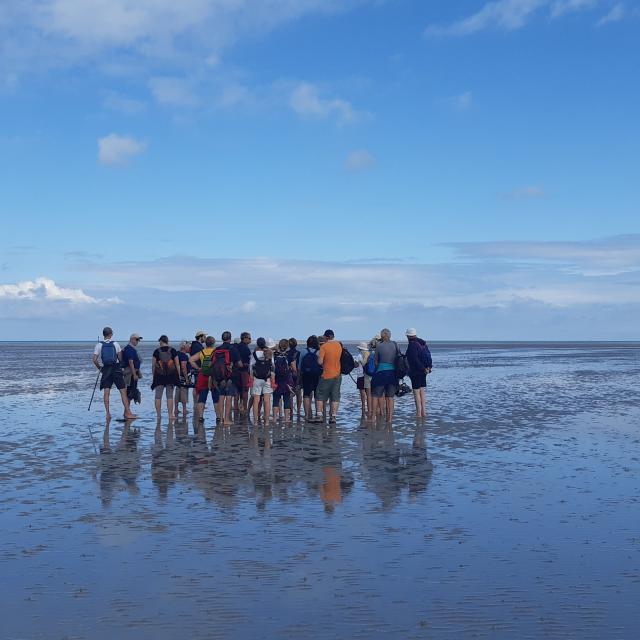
468 168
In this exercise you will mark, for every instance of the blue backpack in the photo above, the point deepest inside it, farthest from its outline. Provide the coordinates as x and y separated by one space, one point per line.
370 366
310 362
108 354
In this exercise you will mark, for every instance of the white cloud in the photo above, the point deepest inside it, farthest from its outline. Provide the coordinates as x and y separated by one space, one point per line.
508 15
122 104
359 160
46 290
306 101
561 7
617 13
529 192
234 95
173 92
118 150
141 32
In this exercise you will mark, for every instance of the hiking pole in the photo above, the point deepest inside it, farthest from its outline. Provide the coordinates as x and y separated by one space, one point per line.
95 386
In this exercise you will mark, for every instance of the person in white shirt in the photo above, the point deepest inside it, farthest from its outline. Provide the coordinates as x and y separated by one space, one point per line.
107 358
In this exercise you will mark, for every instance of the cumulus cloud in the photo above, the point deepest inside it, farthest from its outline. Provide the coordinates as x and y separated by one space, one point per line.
508 15
119 150
307 101
359 160
43 290
142 32
617 13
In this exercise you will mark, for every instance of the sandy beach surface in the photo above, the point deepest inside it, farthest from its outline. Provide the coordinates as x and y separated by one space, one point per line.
512 511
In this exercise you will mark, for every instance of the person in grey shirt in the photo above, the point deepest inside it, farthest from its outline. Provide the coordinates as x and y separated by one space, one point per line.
384 382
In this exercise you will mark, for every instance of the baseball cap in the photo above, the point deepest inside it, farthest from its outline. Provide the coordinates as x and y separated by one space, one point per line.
135 336
201 332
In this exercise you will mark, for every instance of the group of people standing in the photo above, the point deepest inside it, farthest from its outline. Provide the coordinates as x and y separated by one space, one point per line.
268 381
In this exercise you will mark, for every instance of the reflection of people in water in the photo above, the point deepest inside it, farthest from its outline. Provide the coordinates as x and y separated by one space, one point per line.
389 466
169 461
121 463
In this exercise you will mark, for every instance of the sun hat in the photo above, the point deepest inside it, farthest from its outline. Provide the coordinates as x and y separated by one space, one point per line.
411 333
363 346
201 332
271 343
135 336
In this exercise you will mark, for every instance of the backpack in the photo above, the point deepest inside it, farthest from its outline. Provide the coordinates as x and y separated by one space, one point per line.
108 354
282 369
206 362
310 362
347 363
261 368
370 367
221 364
400 364
425 355
165 365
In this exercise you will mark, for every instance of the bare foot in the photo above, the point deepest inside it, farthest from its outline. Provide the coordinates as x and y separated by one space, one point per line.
130 416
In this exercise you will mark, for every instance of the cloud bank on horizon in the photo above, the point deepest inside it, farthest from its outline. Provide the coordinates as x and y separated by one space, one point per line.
281 165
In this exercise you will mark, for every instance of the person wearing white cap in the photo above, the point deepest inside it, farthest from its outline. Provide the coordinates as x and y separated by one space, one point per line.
365 394
420 364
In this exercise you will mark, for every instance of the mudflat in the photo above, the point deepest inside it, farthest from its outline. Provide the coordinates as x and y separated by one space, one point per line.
511 511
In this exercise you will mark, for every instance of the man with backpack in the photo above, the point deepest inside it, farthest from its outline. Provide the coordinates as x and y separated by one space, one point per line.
202 362
107 358
225 360
310 372
131 363
420 364
197 346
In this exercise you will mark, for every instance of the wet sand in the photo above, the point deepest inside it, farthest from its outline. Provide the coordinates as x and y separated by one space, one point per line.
511 511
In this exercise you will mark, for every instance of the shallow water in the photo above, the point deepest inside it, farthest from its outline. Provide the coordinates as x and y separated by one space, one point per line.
511 511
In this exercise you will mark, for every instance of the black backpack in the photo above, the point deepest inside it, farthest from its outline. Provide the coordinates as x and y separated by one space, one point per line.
347 363
261 368
310 362
400 364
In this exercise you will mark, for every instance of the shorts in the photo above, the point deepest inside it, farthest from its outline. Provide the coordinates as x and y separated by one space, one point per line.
227 388
384 383
309 383
418 380
261 387
367 382
243 383
285 396
182 394
360 383
329 389
112 374
202 396
160 389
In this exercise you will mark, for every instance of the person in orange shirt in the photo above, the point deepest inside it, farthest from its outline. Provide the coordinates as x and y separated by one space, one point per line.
329 386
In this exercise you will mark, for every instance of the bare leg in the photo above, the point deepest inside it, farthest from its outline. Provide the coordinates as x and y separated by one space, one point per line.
256 409
363 402
125 403
390 403
267 408
307 407
158 407
416 399
106 403
320 409
334 409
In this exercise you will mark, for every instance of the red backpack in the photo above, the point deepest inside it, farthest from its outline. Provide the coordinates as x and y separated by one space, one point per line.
221 364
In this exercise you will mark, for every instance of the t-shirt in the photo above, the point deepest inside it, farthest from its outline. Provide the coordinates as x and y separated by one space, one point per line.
97 351
184 357
130 353
386 353
329 356
360 361
196 347
244 352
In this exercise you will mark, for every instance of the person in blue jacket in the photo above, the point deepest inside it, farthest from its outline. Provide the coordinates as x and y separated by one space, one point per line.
420 364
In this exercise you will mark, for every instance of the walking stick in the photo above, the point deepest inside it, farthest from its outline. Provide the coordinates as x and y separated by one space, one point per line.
95 386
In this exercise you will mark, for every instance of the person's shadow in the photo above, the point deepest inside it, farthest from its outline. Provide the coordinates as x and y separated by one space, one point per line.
119 464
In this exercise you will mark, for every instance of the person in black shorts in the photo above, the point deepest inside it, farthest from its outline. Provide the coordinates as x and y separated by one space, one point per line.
107 357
